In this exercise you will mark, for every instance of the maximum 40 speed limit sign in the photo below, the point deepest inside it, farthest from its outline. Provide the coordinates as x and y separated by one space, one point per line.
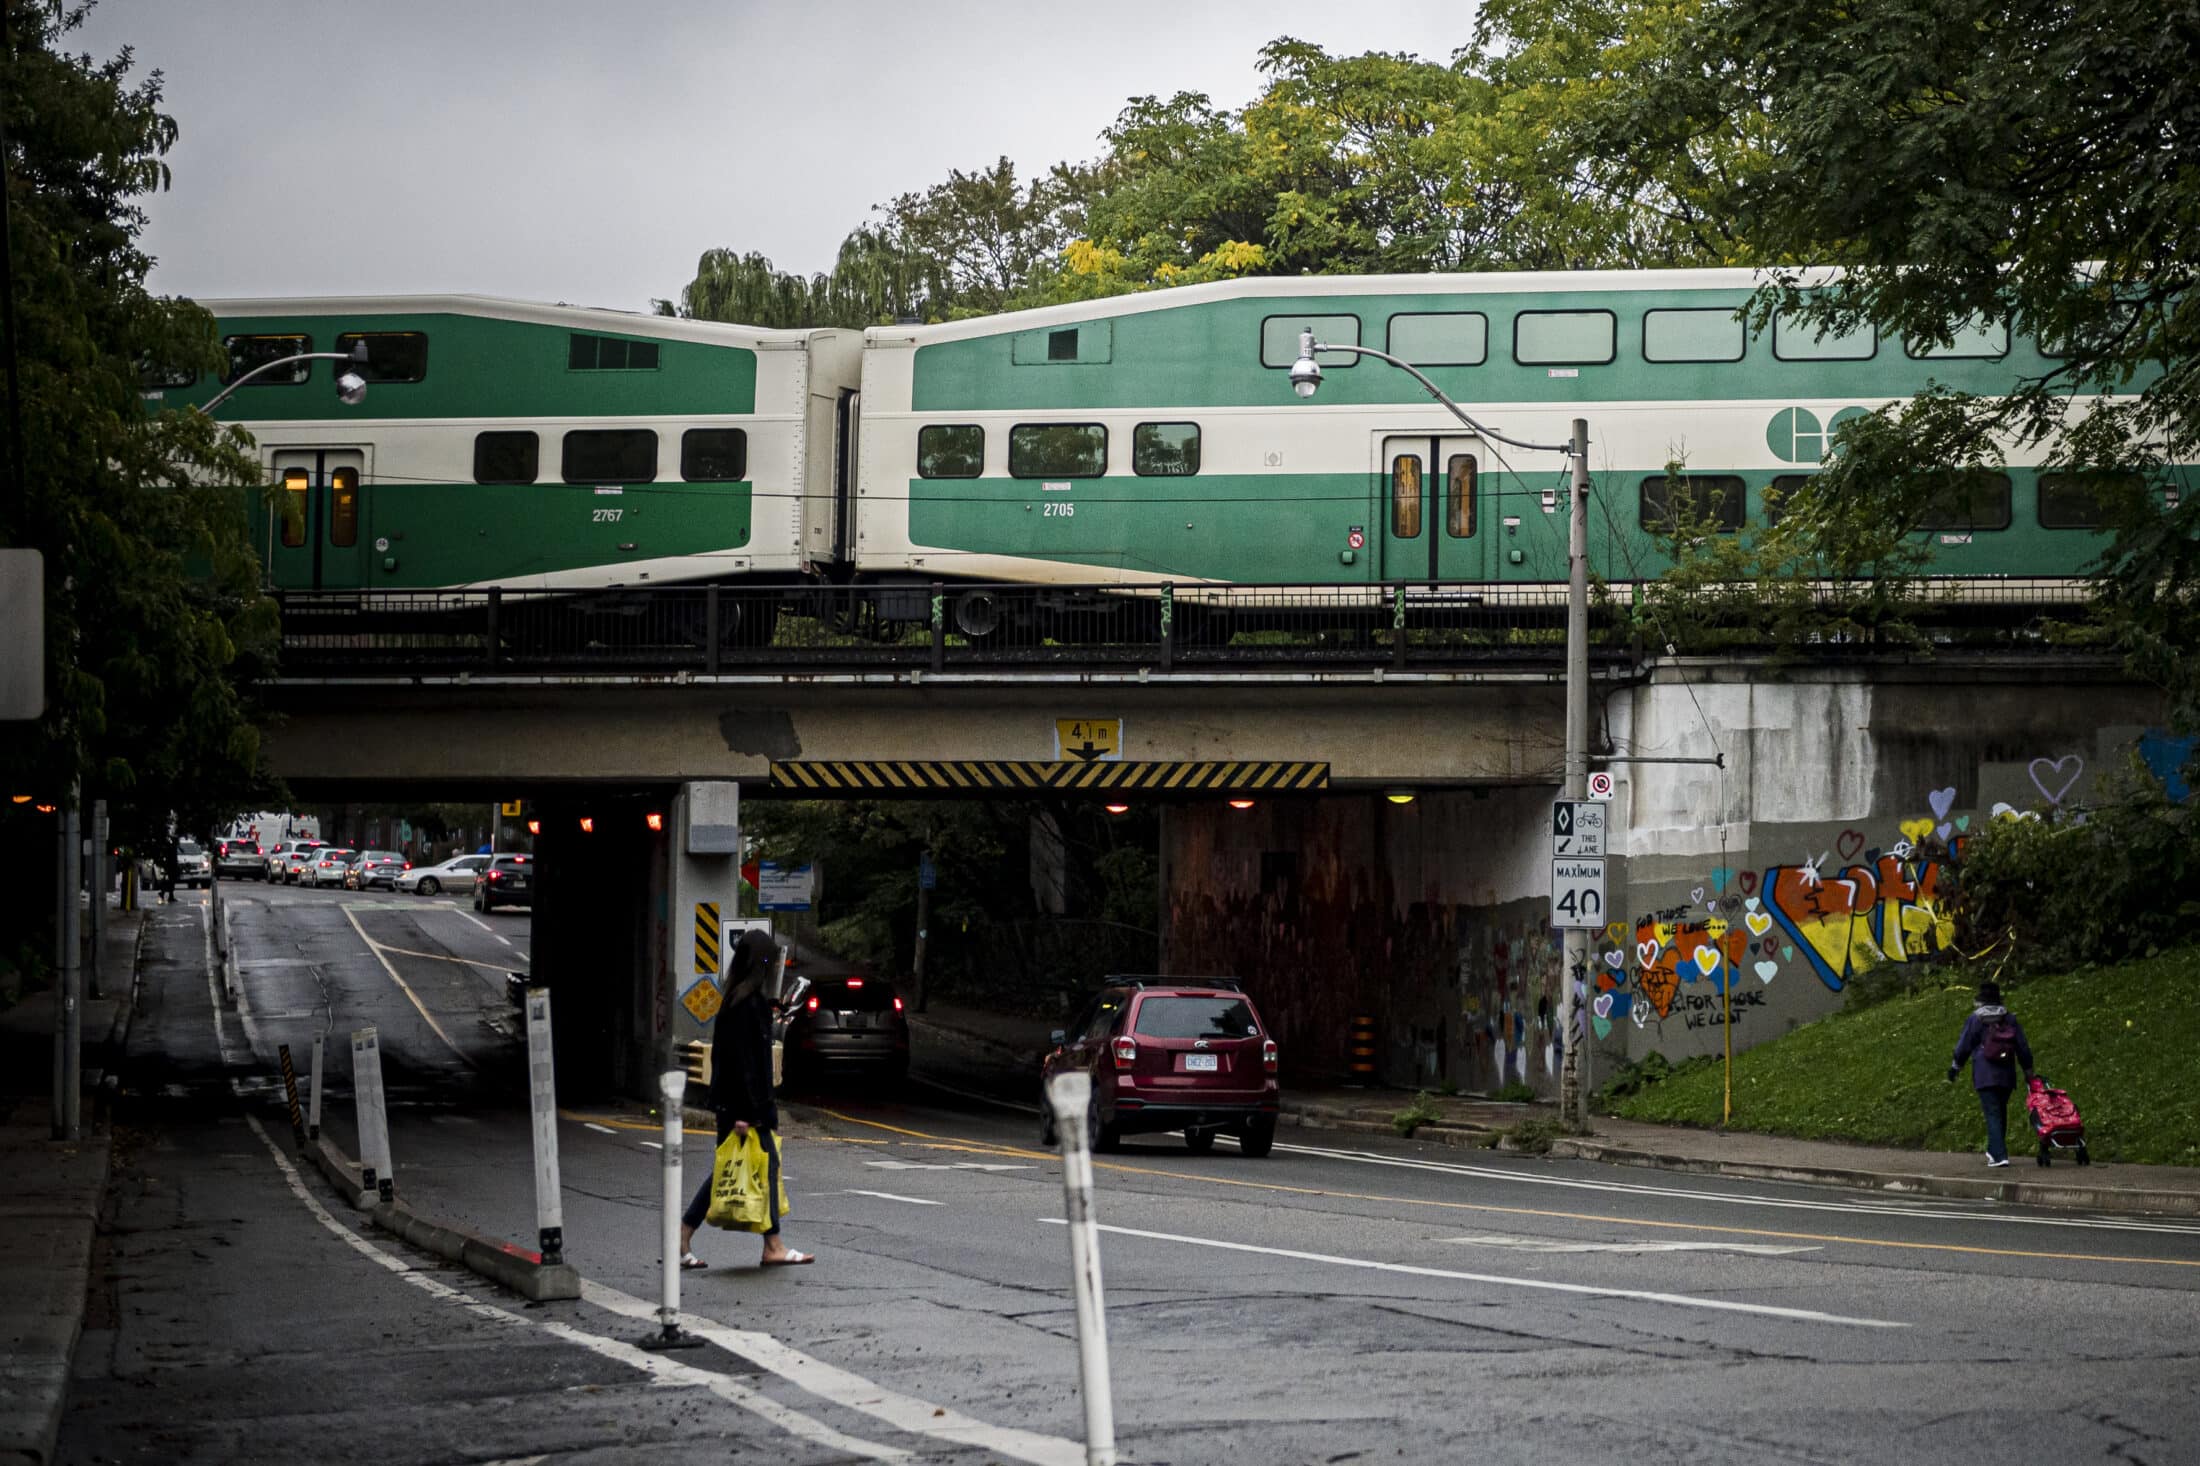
1577 893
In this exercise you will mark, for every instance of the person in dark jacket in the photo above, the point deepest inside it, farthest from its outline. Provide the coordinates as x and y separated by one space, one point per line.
741 1087
1993 1041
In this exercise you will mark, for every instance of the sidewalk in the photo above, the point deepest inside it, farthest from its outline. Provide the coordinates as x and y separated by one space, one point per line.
1473 1123
50 1205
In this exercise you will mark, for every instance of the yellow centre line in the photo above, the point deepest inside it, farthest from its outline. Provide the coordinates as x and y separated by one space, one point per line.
413 997
983 1147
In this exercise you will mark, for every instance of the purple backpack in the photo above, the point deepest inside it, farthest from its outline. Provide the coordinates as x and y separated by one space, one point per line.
2000 1044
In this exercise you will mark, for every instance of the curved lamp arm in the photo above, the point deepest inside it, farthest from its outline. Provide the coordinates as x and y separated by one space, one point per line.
1308 369
357 356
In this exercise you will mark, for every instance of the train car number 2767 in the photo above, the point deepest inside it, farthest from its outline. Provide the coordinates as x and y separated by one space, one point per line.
606 516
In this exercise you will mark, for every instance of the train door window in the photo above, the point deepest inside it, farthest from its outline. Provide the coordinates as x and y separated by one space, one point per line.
714 455
1565 338
1779 491
2085 499
1975 337
1279 339
507 457
1165 449
1405 496
296 483
1696 334
1708 500
1062 345
392 356
1449 338
610 456
248 352
609 354
1796 339
1461 475
1968 499
950 450
1057 450
343 508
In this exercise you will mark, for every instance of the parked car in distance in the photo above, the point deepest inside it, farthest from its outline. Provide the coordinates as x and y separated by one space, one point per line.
240 859
326 866
508 881
194 867
459 873
372 868
1171 1053
287 858
845 1024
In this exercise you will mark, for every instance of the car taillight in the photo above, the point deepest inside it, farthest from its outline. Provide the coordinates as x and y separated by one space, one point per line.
897 1005
408 865
1126 1053
855 982
1268 1054
496 875
811 1005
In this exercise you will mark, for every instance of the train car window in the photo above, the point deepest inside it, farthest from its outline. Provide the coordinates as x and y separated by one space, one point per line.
1057 450
1974 338
609 354
1695 334
247 352
1779 491
1795 339
1565 338
950 450
1968 499
506 457
714 455
1461 475
1713 500
392 356
1279 339
153 377
1449 338
2085 499
1165 449
1405 496
295 483
343 508
1062 345
610 456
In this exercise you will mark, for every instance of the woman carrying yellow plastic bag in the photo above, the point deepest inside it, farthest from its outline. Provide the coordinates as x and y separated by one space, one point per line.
746 1168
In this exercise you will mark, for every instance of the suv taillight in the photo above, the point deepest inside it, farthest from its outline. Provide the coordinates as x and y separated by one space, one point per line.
1268 1055
1126 1053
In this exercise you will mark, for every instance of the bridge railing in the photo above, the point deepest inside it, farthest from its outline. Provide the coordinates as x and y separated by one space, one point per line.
711 630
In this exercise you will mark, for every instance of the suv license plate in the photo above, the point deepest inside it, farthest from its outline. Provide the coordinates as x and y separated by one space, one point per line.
1201 1063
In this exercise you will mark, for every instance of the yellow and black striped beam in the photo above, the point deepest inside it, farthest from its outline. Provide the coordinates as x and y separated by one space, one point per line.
706 937
985 776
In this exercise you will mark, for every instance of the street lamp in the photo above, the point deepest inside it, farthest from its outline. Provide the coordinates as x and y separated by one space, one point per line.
351 386
1306 378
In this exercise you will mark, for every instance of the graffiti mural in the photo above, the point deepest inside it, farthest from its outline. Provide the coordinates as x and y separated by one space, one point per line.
1846 923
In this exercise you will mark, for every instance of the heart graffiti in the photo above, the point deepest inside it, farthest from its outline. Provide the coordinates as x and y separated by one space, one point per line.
1767 971
2049 778
1849 842
1942 800
1646 952
1748 881
1721 877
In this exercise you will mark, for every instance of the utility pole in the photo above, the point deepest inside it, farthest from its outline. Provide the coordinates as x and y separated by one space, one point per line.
1574 1071
926 876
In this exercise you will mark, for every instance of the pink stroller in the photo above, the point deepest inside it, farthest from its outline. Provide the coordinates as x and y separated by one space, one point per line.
2055 1119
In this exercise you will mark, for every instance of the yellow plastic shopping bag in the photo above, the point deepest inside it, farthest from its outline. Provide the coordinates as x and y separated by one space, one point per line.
740 1185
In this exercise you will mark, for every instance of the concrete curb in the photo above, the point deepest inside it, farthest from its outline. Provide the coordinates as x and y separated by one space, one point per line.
342 1172
1461 1137
2063 1195
524 1273
41 1350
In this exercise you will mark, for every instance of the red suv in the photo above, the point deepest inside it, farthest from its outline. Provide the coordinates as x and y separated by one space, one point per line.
1172 1053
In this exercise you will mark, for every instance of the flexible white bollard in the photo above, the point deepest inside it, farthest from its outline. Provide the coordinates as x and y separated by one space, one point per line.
669 1334
313 1102
1070 1095
542 1100
374 1125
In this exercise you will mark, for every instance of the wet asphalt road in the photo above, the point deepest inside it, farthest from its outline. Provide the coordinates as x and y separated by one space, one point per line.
1344 1299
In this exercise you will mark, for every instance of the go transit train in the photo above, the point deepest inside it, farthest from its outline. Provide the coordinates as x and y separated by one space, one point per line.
1132 441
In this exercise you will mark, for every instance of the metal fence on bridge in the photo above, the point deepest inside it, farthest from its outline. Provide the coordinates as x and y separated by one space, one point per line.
1199 629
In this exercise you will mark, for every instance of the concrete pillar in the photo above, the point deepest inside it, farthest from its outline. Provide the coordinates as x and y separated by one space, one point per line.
593 908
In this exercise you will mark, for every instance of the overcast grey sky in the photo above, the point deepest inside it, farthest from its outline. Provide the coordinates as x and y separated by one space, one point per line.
589 150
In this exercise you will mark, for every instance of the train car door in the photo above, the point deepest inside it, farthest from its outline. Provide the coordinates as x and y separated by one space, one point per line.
1431 508
318 537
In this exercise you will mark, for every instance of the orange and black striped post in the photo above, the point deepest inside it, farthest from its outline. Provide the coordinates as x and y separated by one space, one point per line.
1360 1057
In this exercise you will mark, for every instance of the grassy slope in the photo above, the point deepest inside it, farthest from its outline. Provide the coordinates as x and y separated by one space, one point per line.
2125 1041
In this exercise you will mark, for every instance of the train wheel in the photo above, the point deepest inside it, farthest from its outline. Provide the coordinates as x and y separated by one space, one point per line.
977 613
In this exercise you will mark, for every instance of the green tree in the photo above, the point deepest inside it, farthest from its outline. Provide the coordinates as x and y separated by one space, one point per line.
155 623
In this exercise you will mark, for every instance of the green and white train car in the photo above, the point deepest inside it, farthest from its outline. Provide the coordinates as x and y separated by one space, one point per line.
1156 437
537 447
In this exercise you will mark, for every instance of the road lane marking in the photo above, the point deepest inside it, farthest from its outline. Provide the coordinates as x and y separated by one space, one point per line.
654 1144
420 1007
1493 1209
890 1196
661 1370
599 1129
1548 1244
477 921
852 1391
1543 1285
230 1058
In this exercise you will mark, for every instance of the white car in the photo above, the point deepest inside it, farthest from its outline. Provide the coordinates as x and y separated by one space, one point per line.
327 867
193 866
456 874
